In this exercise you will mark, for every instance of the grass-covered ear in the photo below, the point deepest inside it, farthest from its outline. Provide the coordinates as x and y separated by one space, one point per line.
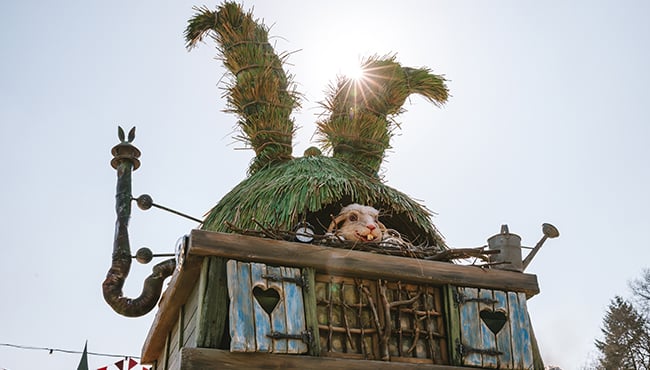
259 91
362 111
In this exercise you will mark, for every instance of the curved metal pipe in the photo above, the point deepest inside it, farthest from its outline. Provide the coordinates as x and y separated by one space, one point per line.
125 161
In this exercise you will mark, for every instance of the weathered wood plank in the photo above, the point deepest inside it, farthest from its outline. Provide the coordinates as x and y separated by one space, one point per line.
209 359
521 348
453 324
181 327
190 318
439 352
191 335
191 306
538 362
174 361
212 303
470 332
504 342
191 309
165 356
488 338
242 328
279 314
173 347
522 316
180 287
311 311
356 263
262 320
295 310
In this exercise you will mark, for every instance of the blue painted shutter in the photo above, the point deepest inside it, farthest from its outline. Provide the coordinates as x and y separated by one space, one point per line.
510 347
250 325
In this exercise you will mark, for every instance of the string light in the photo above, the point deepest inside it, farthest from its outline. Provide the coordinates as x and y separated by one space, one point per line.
52 350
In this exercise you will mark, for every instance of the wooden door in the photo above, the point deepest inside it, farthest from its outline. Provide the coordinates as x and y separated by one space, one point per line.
495 329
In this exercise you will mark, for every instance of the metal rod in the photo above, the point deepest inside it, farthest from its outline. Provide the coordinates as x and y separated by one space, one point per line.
177 213
145 202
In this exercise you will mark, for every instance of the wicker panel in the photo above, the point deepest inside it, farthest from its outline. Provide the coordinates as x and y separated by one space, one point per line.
352 316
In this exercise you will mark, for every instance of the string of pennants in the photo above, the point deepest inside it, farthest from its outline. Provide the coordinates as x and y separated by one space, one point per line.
126 364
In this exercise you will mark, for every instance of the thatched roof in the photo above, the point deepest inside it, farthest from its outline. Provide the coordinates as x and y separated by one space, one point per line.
312 189
356 127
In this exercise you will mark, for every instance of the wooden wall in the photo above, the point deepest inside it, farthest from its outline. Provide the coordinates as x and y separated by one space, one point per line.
200 320
193 312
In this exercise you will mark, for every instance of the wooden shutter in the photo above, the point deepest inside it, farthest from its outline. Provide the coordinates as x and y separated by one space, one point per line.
254 289
495 330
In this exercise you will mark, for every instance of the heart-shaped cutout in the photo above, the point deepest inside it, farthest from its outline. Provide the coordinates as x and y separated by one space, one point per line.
495 320
267 298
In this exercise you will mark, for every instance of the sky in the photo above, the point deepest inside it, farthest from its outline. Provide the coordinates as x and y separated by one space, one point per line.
549 121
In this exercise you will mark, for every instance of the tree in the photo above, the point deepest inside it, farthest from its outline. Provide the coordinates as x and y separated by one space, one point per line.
626 342
641 290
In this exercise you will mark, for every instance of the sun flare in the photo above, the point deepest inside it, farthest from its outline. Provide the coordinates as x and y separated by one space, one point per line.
352 70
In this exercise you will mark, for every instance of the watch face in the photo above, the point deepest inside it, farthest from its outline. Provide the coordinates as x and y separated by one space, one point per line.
304 234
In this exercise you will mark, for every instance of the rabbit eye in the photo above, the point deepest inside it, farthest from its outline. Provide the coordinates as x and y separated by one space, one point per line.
353 217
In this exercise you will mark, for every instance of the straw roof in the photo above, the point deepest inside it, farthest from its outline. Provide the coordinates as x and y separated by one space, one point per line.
357 126
311 189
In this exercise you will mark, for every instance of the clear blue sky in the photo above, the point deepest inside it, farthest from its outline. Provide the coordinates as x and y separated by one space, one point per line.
549 122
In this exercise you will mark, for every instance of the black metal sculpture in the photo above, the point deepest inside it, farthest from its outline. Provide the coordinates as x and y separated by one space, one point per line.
125 161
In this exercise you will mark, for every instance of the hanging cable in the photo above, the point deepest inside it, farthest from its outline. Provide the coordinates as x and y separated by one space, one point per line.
52 350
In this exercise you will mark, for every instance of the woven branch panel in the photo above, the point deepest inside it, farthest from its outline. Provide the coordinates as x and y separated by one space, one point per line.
379 320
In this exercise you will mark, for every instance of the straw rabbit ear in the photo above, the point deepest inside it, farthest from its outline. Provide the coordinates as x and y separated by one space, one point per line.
361 111
259 91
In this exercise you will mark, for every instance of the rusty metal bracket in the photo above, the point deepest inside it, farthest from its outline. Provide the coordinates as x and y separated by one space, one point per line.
460 298
300 281
464 350
306 336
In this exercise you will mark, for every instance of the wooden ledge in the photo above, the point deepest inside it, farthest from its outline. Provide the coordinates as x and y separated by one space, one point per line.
356 263
207 359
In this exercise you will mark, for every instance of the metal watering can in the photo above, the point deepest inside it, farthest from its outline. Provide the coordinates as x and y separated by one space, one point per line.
509 256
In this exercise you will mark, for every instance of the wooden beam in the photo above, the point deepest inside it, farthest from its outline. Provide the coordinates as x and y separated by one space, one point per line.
207 359
356 263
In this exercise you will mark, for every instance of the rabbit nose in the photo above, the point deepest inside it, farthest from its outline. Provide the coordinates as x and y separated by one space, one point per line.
371 227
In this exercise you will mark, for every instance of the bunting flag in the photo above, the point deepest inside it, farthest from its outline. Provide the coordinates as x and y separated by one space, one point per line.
128 362
83 363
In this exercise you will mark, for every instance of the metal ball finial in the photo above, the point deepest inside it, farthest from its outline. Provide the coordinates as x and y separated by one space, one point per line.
144 255
144 202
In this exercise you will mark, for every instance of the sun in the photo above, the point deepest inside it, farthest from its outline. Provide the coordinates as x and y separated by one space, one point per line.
352 69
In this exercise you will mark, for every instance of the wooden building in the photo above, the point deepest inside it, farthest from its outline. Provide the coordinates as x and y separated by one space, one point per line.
241 301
